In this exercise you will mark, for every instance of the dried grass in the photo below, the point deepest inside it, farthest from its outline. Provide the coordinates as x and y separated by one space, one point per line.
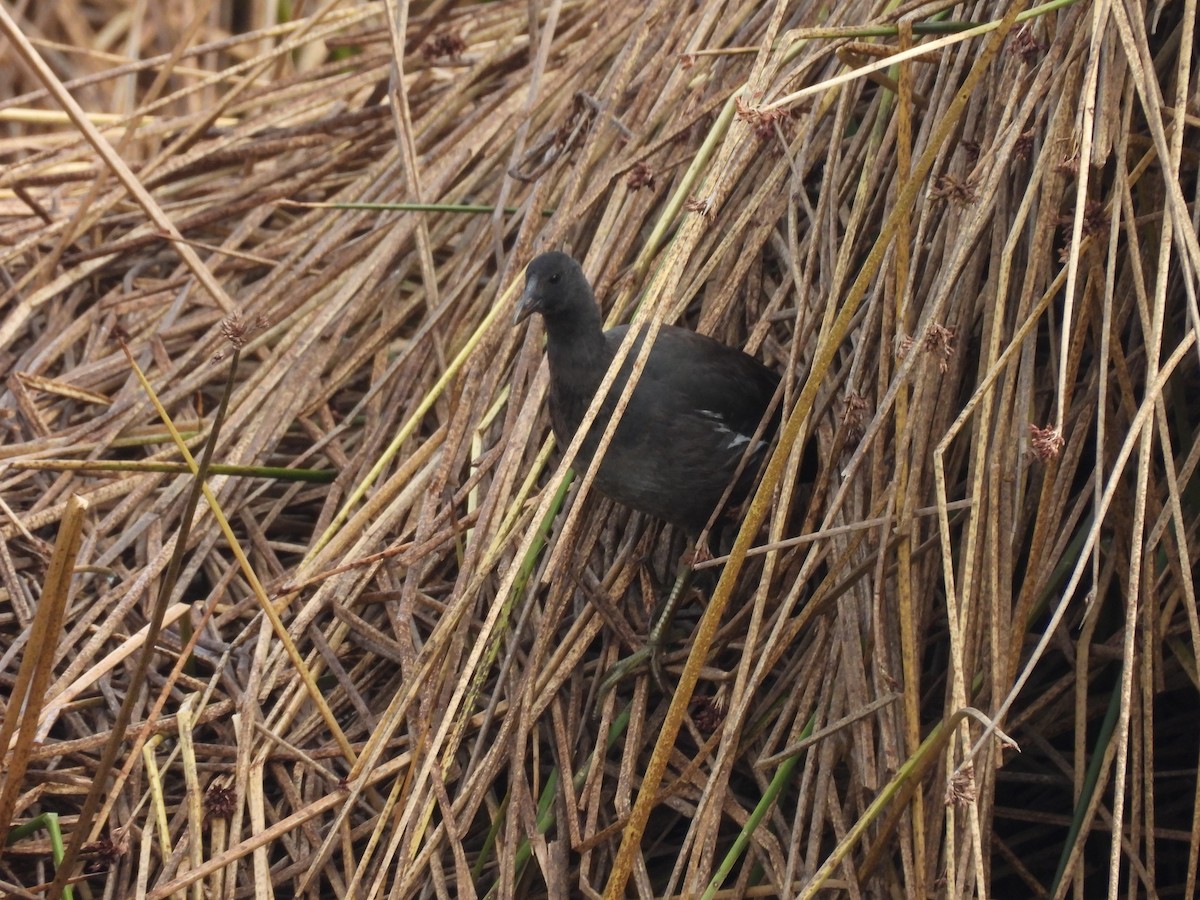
975 261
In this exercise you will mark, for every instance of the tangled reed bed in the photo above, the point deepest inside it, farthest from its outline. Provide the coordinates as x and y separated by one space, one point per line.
975 261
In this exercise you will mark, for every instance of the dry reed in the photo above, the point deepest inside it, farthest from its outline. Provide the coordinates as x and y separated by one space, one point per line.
971 250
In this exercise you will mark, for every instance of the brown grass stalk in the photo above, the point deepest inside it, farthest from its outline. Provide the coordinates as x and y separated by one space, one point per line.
965 240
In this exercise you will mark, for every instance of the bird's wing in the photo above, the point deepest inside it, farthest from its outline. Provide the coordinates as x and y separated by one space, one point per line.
692 372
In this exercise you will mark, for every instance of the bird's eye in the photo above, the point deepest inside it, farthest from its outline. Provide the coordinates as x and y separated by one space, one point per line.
554 278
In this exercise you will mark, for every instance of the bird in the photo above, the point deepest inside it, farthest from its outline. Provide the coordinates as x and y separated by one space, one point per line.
697 426
694 414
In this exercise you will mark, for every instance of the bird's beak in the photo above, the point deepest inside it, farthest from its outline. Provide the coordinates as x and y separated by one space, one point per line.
529 302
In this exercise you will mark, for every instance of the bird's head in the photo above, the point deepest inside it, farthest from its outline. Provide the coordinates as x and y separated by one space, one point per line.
555 287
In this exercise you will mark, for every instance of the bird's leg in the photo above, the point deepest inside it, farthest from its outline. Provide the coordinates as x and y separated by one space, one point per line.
698 554
650 651
683 581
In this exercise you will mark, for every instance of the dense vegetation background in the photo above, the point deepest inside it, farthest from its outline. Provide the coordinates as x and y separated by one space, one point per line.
965 233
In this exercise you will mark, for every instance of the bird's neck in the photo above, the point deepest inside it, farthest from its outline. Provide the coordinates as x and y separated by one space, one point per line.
577 345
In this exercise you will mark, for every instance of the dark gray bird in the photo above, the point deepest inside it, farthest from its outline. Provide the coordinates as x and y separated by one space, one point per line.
692 416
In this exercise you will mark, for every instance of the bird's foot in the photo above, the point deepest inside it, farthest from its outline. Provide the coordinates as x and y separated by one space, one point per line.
648 656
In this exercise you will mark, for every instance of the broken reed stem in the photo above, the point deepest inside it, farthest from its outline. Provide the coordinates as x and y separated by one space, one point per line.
24 703
99 782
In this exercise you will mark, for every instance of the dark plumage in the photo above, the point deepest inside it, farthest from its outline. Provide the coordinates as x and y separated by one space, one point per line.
692 415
